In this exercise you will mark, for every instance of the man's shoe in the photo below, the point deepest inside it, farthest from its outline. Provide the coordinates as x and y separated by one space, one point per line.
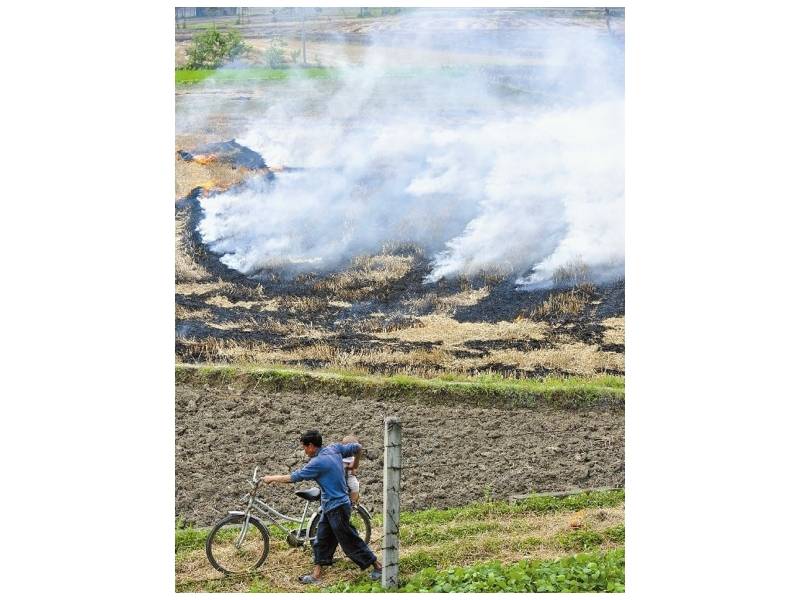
309 579
376 575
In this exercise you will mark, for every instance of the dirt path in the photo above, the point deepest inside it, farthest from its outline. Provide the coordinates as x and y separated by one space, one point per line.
453 454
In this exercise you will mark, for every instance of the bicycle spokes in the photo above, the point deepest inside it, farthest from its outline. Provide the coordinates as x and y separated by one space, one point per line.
238 546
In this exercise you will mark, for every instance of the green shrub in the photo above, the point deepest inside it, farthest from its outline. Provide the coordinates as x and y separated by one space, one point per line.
595 572
276 54
274 57
212 49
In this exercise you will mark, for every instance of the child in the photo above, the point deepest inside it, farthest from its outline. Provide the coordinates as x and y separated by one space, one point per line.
350 466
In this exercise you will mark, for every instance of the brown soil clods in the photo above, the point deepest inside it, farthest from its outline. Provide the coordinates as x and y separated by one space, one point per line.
452 454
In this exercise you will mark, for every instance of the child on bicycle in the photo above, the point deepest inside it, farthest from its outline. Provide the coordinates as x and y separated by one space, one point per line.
350 466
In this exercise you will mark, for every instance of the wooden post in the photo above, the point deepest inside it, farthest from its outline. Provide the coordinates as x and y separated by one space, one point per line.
391 502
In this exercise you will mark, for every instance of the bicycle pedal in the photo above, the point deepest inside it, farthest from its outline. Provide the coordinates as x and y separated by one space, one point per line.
295 541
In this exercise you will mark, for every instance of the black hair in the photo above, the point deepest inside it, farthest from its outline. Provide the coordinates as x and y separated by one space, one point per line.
312 436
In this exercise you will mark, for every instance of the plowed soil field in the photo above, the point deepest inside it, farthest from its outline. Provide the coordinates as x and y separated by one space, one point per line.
452 454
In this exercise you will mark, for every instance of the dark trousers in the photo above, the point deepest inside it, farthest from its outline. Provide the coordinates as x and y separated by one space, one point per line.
334 529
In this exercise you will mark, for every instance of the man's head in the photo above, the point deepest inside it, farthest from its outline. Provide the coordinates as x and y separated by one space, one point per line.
312 441
349 439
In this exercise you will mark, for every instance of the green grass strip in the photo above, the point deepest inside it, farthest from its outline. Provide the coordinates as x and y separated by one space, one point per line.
590 572
553 392
190 76
532 504
420 526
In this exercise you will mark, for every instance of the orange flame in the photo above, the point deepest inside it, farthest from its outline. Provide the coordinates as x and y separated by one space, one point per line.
204 159
212 185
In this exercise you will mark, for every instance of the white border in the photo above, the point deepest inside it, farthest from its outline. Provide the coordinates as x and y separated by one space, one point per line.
87 242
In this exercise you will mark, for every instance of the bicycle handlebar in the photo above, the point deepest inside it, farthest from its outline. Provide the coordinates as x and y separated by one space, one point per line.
255 481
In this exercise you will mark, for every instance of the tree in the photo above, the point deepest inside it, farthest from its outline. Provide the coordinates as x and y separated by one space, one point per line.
212 48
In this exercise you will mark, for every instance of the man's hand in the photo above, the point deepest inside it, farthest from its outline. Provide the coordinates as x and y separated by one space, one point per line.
276 479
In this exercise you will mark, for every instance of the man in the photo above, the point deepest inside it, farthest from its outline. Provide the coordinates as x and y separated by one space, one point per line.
326 468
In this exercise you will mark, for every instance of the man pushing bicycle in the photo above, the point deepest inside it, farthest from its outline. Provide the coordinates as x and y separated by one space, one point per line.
326 468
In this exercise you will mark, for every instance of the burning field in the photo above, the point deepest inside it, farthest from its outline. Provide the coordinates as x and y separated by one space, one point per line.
378 314
462 214
458 219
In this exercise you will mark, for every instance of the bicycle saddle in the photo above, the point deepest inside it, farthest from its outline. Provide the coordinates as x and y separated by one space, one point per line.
310 494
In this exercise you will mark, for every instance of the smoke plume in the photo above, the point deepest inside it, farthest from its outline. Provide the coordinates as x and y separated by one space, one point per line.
512 163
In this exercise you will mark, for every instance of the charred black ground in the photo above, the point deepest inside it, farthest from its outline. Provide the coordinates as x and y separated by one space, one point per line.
364 315
229 152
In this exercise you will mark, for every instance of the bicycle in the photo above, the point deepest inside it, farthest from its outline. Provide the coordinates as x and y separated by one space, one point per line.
239 543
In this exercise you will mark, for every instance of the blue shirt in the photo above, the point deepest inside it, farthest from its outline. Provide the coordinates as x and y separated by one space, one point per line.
327 470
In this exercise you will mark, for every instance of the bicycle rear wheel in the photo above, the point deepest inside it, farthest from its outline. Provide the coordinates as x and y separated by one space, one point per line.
359 519
232 548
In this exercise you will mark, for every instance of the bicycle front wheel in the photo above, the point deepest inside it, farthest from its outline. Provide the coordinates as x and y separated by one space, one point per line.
233 548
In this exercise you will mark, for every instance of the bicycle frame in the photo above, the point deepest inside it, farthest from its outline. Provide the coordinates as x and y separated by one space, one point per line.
276 517
254 503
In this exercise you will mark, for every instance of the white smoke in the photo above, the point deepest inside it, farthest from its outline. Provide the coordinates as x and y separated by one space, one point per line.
517 169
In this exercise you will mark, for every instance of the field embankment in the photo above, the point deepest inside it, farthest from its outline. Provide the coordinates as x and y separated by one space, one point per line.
575 392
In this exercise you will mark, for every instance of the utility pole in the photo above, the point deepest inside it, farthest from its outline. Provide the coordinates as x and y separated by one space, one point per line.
303 32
